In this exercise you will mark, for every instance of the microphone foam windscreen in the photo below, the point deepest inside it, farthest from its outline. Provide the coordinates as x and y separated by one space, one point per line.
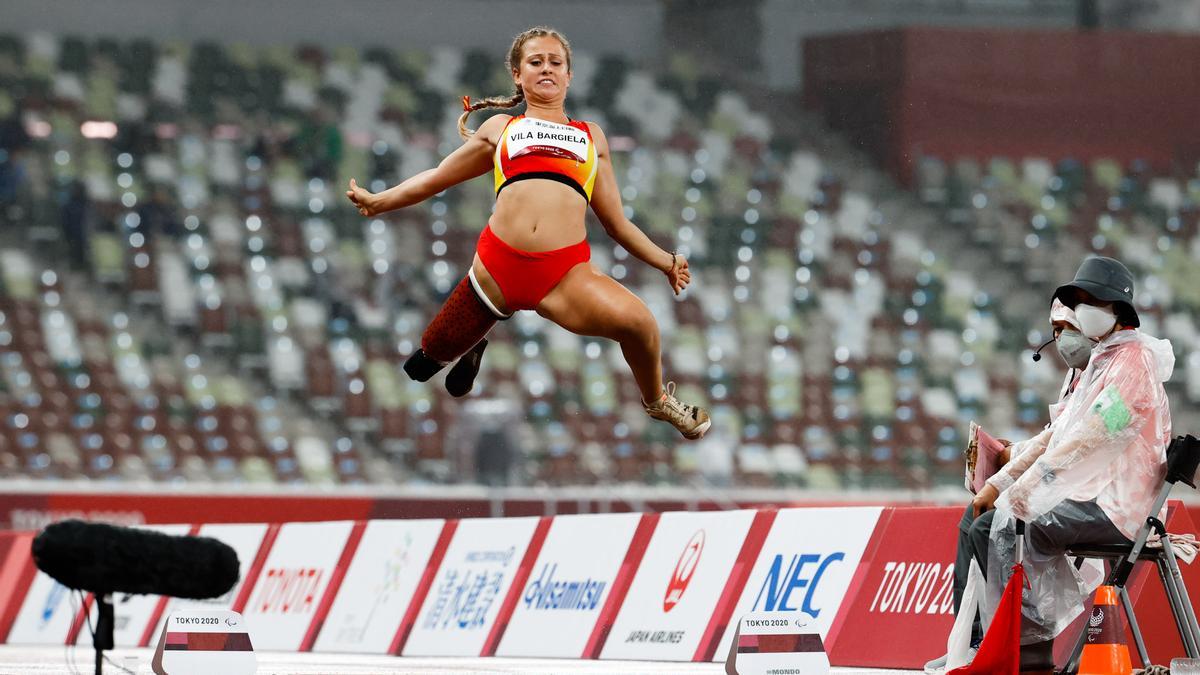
109 559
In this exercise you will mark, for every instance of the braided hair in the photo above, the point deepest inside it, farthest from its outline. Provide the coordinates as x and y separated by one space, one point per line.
514 64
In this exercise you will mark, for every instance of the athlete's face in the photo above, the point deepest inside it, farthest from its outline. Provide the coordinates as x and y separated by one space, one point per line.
544 74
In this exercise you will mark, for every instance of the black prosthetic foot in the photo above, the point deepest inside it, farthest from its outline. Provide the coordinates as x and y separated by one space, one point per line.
461 377
420 367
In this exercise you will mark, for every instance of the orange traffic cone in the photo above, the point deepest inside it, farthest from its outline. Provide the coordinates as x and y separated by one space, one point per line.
1104 650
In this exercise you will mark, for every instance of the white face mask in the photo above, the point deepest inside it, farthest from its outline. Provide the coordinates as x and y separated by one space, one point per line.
1095 322
1074 348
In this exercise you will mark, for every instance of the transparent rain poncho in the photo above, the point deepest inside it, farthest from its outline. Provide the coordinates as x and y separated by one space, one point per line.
1107 443
1023 453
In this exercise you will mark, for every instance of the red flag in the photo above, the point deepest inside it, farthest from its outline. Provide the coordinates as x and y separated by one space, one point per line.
1000 652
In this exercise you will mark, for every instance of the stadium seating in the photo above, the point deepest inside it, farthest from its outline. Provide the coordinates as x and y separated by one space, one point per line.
233 319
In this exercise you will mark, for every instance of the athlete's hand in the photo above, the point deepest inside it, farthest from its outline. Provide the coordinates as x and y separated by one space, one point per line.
363 200
679 275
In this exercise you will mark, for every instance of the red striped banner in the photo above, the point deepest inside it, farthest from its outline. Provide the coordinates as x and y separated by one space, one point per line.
620 587
419 595
16 576
517 586
733 588
335 582
264 549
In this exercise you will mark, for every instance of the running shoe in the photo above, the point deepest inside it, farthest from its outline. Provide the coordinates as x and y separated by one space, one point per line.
938 665
691 420
461 377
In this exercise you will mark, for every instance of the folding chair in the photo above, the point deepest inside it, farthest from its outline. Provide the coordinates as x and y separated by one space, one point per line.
1183 457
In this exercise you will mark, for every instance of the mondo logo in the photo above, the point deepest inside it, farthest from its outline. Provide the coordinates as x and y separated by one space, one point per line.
684 569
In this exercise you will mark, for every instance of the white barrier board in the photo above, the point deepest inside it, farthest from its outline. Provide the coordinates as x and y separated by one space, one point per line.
379 584
292 582
805 565
470 586
46 615
683 573
568 585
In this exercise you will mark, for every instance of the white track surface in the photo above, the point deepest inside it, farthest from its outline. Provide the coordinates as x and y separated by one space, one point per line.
54 660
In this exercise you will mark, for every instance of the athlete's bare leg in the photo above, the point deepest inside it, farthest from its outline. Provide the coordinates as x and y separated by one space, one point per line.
587 302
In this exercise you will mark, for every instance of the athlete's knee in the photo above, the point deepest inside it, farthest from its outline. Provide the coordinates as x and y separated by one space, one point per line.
640 326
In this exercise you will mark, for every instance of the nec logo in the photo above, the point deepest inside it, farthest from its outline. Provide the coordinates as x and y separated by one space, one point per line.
802 572
684 569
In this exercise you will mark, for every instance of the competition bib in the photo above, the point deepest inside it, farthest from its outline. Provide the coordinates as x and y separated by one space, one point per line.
529 135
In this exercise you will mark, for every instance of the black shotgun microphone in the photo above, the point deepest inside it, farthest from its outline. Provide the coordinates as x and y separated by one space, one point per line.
108 559
1037 356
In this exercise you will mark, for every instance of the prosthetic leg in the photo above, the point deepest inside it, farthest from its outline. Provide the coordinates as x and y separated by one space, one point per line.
457 330
461 377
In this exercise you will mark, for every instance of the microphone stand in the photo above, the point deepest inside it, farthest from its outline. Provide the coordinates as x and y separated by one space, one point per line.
102 639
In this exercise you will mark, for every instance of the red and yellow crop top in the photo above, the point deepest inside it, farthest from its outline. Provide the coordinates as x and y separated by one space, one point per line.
533 148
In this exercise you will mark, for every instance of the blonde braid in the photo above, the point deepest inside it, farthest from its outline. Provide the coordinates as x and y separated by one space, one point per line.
492 102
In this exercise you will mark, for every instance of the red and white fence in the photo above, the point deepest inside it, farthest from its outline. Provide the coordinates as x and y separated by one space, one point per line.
610 586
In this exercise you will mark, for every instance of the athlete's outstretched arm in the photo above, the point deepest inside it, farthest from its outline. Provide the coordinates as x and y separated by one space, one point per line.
472 158
606 203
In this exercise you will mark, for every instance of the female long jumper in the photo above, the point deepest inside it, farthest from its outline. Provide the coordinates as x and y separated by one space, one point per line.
533 254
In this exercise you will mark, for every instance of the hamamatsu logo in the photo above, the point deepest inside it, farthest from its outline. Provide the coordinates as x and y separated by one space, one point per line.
684 569
546 592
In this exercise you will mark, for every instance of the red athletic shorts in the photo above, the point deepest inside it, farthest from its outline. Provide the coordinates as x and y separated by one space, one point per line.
525 277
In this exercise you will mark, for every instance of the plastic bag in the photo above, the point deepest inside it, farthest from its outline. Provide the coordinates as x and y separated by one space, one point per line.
1057 591
958 645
